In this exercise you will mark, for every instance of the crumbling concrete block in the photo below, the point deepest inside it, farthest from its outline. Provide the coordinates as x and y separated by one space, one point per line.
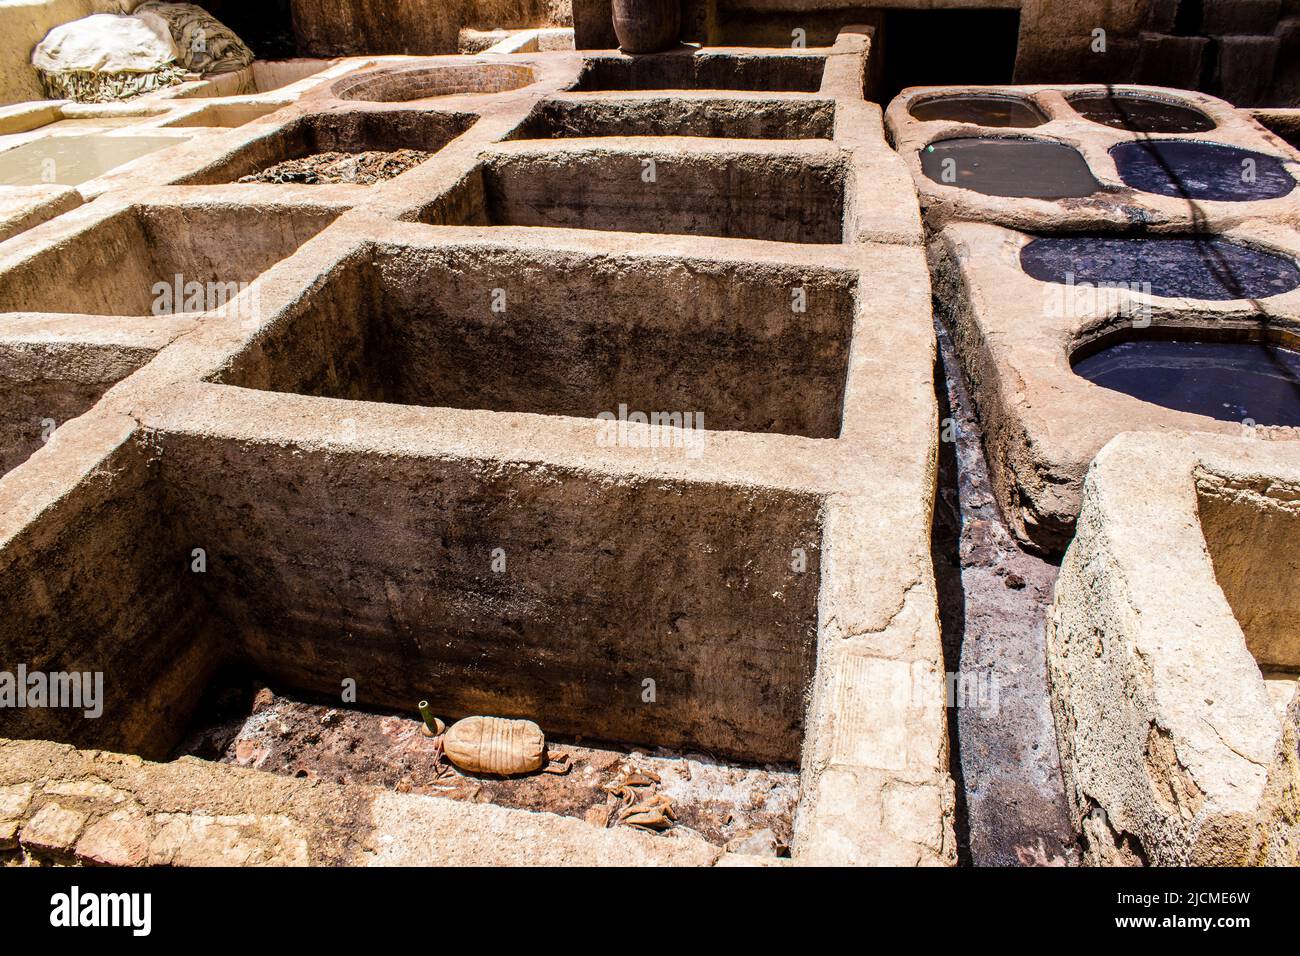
121 838
1173 657
53 829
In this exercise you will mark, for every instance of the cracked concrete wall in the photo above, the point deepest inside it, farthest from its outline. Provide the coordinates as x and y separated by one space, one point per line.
112 598
645 333
45 383
380 569
114 266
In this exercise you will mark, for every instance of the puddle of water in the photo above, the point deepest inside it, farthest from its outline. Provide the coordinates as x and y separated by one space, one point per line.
1141 114
72 160
1186 169
1009 167
981 110
402 84
1195 267
1230 381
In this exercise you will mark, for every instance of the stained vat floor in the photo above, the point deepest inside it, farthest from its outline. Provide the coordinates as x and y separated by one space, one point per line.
249 725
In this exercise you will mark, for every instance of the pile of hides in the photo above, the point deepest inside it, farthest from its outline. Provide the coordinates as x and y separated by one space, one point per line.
106 57
204 44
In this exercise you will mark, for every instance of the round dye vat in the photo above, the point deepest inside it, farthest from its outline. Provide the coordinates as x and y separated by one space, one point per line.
1023 168
1190 170
980 110
1230 381
1197 268
402 84
1140 114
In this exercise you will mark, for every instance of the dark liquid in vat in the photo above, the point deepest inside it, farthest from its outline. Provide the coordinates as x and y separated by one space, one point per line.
1140 114
1194 267
980 110
1025 168
1204 171
1230 381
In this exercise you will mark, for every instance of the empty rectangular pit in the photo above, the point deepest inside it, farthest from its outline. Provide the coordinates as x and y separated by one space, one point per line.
1285 123
778 198
344 132
765 73
324 565
128 263
490 328
736 119
44 384
1252 532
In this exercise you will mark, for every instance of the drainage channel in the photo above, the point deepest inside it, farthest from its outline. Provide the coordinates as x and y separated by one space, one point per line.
993 601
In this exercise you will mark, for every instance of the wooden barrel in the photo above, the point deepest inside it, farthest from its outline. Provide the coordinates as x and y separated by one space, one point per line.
647 26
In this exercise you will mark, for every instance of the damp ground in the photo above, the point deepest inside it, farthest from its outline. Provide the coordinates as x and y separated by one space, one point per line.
247 724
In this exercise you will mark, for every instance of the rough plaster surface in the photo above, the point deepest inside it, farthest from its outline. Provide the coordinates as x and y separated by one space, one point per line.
1178 732
346 503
